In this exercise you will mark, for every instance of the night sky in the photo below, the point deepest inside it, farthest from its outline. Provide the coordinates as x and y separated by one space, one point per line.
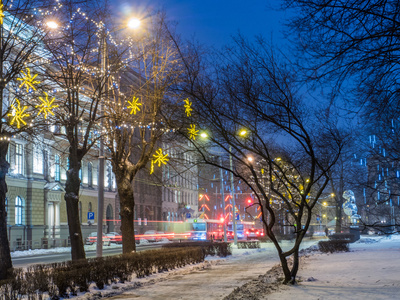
213 22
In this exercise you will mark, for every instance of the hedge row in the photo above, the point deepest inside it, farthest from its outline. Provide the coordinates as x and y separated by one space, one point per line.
67 278
333 246
248 244
221 249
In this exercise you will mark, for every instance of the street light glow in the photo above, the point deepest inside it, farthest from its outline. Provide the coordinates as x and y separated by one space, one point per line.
203 135
52 24
134 23
243 132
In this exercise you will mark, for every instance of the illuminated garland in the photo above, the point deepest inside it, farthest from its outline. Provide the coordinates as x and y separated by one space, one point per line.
1 12
159 158
18 114
192 131
28 80
46 106
188 107
134 105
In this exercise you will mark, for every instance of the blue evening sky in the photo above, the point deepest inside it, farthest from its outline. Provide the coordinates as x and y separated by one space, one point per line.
213 22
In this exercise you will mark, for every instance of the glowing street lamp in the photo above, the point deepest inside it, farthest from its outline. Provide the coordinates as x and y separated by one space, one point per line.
134 23
52 24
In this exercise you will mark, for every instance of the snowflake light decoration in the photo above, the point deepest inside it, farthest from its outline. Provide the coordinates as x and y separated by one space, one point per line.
188 107
192 131
1 12
18 114
159 158
46 106
28 80
134 105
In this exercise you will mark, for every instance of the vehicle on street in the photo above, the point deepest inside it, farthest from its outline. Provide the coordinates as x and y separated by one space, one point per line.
114 237
150 235
253 233
92 238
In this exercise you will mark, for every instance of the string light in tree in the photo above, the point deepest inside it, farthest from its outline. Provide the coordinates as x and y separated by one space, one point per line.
188 107
18 114
134 105
1 12
28 80
159 158
192 131
46 106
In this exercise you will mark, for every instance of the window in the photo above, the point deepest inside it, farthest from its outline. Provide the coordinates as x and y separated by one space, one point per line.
19 205
80 211
57 174
38 160
90 175
19 148
109 177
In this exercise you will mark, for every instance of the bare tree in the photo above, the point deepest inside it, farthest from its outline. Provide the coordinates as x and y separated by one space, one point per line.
251 108
21 34
77 80
135 116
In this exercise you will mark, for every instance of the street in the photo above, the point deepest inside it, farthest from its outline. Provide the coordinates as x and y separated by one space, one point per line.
47 258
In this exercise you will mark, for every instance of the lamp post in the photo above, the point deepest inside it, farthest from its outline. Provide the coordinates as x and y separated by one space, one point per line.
233 199
223 198
133 23
100 180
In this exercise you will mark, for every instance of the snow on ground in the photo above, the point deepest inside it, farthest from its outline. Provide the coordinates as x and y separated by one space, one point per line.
214 279
369 271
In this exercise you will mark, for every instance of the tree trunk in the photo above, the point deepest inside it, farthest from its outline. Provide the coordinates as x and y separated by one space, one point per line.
71 197
127 201
5 256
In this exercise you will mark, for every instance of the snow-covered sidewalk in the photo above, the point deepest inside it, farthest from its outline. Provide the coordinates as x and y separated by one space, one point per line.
369 271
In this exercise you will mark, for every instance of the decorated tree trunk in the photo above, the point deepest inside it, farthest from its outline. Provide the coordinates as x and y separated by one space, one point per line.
71 197
5 256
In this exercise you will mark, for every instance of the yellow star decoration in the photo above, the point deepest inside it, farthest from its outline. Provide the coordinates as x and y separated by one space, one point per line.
28 80
134 105
192 131
159 158
1 12
46 106
188 107
18 114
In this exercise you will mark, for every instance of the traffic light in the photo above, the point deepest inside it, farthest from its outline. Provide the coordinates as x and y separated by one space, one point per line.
249 201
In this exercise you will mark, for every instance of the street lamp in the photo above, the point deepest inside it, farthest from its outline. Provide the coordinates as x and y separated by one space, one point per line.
52 24
132 23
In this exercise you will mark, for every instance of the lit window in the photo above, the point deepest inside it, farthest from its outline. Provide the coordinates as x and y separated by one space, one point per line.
19 205
109 177
38 160
90 174
57 173
19 148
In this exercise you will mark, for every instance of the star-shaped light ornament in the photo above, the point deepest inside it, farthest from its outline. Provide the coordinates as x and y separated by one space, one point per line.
192 131
18 114
134 105
1 12
28 80
46 106
159 158
188 107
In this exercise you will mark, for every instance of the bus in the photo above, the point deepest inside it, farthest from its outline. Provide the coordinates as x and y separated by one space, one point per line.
205 229
242 230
